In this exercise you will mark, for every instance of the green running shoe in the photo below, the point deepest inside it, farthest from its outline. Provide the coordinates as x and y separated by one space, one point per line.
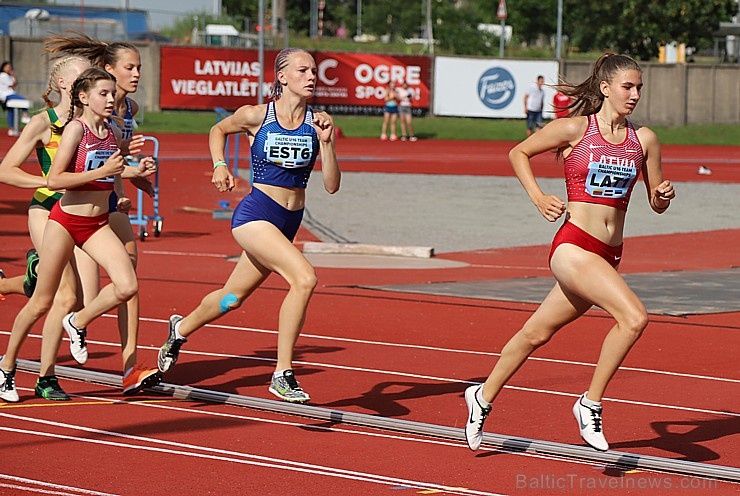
286 388
48 388
32 262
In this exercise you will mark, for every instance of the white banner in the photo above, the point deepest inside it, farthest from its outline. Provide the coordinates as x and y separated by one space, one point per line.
489 87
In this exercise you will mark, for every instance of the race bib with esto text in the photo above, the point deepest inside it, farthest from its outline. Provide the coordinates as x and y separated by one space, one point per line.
288 151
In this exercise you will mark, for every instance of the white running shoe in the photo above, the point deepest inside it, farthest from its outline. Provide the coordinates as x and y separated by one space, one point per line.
170 350
77 344
286 388
8 392
589 423
476 417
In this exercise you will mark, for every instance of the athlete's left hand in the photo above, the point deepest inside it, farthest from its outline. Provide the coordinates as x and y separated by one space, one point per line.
665 191
324 126
147 167
123 205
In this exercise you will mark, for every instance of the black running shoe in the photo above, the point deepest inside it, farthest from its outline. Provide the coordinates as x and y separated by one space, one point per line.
48 388
29 282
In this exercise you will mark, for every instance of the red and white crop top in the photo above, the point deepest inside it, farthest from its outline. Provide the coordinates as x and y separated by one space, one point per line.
91 154
597 171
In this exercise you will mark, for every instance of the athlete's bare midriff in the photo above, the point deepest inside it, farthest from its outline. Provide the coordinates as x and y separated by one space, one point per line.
603 222
289 198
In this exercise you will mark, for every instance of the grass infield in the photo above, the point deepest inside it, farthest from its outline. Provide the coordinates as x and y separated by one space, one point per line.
448 128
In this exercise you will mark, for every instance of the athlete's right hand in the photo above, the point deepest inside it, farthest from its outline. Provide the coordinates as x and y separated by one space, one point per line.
222 179
133 145
551 207
114 165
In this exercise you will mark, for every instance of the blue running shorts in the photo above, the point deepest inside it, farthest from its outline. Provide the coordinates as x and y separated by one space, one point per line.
258 206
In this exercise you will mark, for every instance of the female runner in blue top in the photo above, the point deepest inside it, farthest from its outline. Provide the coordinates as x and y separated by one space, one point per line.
285 136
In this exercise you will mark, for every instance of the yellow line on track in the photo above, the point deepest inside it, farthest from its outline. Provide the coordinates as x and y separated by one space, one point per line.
7 406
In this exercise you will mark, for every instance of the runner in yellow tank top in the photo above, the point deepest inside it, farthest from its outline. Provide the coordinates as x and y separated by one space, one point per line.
42 136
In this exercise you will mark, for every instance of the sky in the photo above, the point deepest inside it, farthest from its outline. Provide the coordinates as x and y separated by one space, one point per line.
162 13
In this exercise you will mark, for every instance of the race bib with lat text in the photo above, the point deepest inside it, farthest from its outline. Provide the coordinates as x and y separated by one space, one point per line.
95 159
612 181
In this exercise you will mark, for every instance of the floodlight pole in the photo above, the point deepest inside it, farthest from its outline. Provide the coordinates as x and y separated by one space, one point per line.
261 48
359 19
501 39
501 14
559 37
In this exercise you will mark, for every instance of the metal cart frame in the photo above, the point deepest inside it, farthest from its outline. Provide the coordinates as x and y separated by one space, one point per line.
140 219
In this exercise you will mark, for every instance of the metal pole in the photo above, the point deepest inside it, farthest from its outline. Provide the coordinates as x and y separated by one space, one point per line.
314 19
501 39
430 33
359 18
125 19
261 47
274 23
559 37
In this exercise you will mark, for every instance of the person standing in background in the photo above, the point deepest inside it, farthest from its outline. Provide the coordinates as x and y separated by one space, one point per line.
534 101
8 83
404 111
561 105
390 113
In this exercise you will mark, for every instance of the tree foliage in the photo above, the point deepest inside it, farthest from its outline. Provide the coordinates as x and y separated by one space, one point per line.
635 27
638 27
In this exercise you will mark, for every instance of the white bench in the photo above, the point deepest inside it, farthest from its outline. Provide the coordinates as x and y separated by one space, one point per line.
19 105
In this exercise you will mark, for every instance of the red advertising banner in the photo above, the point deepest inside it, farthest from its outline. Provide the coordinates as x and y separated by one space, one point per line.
198 78
194 78
351 80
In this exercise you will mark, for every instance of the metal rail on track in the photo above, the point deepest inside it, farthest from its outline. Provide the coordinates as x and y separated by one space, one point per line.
516 444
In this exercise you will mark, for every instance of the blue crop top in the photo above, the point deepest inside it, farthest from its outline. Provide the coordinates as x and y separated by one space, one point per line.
282 157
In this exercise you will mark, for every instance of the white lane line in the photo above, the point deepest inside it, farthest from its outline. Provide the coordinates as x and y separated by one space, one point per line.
75 490
429 377
449 350
175 448
34 490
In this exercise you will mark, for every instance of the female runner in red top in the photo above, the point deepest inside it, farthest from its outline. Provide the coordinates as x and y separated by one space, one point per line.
603 154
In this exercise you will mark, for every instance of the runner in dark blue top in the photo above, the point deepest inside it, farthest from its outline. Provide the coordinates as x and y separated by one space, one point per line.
285 137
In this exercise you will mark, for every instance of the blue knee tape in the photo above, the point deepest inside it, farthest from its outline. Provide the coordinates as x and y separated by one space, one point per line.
226 302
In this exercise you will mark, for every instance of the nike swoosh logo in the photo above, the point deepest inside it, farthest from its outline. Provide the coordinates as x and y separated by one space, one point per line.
617 259
88 145
580 421
470 419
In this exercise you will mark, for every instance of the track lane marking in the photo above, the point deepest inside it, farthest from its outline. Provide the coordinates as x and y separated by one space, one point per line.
432 378
46 484
444 350
227 456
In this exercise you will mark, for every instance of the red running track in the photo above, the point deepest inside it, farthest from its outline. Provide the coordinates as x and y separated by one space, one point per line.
394 355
